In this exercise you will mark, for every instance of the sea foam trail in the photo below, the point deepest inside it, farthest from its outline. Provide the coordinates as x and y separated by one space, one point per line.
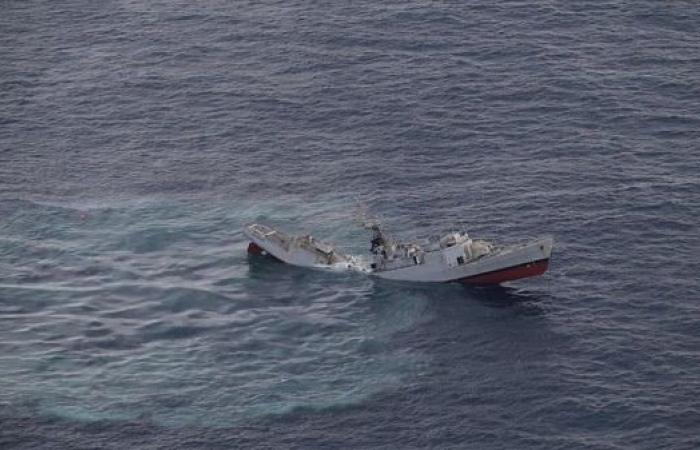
162 314
136 141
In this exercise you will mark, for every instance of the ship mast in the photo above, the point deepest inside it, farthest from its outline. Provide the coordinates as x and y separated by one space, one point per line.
381 242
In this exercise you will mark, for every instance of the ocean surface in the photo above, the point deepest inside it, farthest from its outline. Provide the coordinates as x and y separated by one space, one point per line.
137 137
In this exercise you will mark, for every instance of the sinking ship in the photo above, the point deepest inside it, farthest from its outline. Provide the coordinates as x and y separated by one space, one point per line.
453 257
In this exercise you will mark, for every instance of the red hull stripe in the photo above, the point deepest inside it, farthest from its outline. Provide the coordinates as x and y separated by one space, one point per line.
531 269
255 249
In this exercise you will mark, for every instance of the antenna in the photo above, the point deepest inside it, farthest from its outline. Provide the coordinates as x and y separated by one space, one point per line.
363 216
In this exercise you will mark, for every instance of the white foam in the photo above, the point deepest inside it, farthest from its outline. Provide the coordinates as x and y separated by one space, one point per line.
354 264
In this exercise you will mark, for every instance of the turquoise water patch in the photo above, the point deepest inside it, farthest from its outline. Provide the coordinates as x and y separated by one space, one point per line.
153 310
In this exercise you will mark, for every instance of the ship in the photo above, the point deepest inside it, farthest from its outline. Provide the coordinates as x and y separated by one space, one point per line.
454 257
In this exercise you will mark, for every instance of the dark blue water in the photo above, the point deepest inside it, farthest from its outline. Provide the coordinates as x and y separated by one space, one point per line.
136 137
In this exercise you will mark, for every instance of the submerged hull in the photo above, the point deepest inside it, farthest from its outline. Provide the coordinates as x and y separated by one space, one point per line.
302 251
439 266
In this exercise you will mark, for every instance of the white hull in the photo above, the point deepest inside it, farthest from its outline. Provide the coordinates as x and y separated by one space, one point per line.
507 264
454 262
302 251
